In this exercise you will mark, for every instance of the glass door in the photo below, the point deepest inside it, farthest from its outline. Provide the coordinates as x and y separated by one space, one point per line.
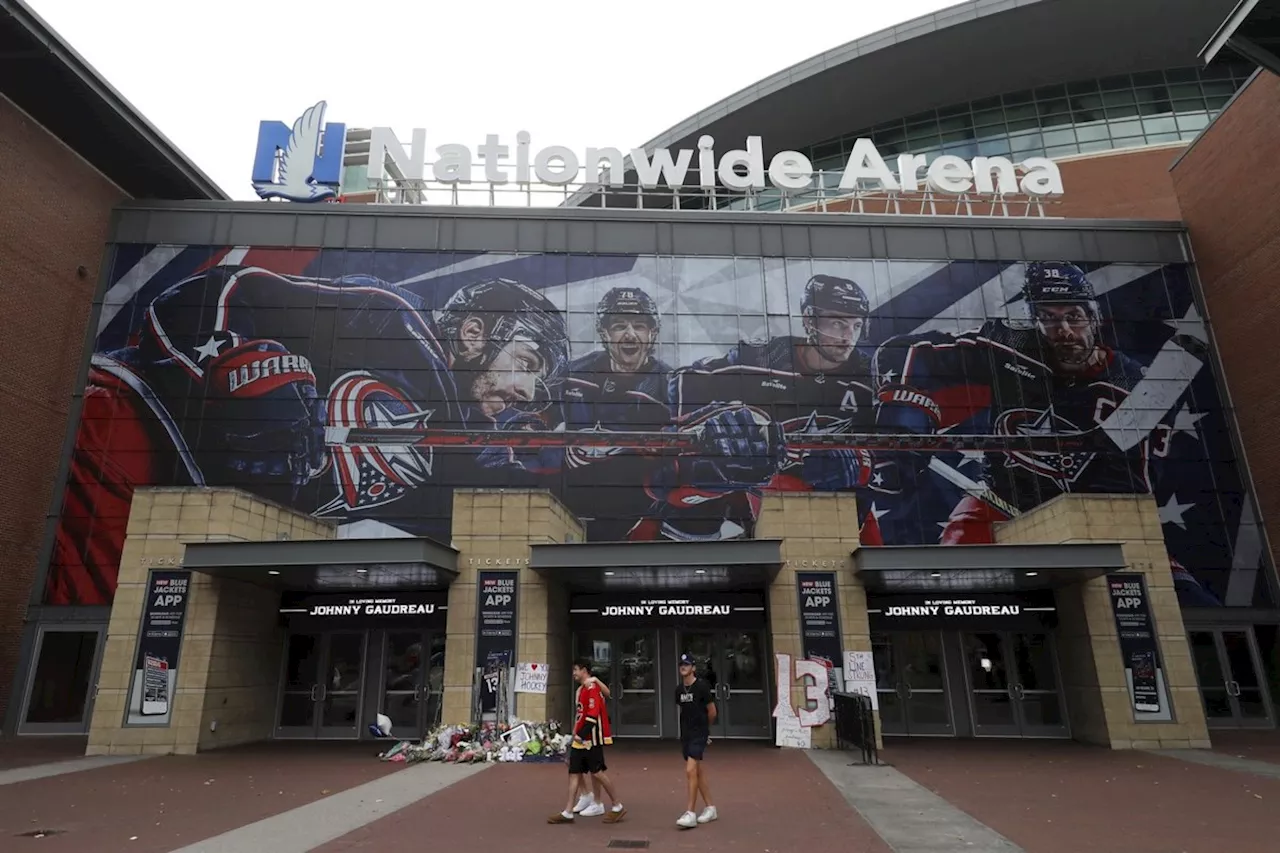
61 687
627 661
321 685
733 663
911 683
1227 667
1014 689
412 682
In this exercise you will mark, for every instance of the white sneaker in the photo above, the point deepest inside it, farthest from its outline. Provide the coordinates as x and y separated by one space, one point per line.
708 814
584 802
593 810
688 820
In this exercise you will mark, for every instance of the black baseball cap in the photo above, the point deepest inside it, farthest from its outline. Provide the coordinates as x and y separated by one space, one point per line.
686 659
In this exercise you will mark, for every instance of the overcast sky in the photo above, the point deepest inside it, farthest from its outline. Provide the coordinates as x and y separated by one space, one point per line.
205 74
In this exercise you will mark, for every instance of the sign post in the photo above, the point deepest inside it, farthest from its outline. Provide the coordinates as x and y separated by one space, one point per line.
1139 649
155 670
497 605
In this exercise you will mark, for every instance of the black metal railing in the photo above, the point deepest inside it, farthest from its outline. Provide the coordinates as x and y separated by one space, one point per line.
855 725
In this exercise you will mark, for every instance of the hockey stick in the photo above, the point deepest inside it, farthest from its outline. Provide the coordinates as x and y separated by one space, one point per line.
680 442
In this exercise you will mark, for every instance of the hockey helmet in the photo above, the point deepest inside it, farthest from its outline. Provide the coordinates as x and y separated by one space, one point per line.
1049 283
626 300
838 295
509 310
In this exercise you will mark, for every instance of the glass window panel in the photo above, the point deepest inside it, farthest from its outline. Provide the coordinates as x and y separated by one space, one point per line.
1159 125
897 134
1092 132
1117 99
961 135
919 118
1081 87
989 117
956 123
1060 137
986 104
1181 75
994 147
967 150
1157 138
1193 122
1125 129
1216 102
1218 88
1120 81
1094 145
1062 150
1053 107
1185 90
922 140
957 110
1022 142
1087 102
1014 98
1024 111
1155 108
1057 121
1148 78
1024 124
1189 105
826 149
1122 111
1217 71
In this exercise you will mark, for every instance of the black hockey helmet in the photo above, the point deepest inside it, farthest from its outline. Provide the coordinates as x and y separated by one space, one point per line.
839 295
509 310
626 300
1057 282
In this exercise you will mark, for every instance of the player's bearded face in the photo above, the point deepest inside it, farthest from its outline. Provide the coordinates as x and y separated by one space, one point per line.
1070 334
835 335
511 379
629 341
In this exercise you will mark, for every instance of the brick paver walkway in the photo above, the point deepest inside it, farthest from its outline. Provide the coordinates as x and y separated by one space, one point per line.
769 800
1053 797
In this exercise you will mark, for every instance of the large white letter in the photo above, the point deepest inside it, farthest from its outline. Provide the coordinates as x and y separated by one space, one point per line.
617 167
815 693
522 157
752 158
782 681
865 162
648 171
1043 177
790 170
492 153
909 166
566 173
454 165
707 161
950 174
383 144
1007 180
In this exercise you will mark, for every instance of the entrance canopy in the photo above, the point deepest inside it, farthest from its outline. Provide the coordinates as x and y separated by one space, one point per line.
653 566
317 565
983 568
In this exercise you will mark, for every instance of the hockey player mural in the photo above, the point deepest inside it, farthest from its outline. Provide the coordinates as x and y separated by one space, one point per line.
658 397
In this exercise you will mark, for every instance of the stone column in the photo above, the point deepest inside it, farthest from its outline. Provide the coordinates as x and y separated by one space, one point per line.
493 529
229 662
1088 647
819 532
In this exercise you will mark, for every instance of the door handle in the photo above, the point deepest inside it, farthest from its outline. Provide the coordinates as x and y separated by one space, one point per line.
1018 692
417 693
1233 688
315 693
907 691
324 691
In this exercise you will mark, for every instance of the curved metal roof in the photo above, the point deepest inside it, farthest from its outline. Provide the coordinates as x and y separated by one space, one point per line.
965 52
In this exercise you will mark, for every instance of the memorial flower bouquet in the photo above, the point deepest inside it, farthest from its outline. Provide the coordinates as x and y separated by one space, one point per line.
486 742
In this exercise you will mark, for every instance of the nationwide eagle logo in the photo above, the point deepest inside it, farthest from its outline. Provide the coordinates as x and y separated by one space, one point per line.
1062 468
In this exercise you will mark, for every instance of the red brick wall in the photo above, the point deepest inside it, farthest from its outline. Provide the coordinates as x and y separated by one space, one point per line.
54 220
1227 186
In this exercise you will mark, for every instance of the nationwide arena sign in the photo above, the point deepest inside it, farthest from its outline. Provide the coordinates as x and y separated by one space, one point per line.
304 163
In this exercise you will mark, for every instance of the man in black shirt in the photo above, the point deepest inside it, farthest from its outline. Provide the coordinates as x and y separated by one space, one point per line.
697 713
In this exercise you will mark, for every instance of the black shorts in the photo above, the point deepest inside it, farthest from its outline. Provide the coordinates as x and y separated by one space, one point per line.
586 760
693 747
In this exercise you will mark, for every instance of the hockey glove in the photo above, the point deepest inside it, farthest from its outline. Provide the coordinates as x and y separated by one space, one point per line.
263 420
737 450
837 470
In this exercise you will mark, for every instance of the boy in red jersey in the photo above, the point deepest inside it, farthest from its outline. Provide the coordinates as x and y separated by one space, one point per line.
591 732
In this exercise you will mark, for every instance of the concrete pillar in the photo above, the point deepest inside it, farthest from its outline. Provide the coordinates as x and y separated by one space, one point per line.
493 529
228 666
1088 647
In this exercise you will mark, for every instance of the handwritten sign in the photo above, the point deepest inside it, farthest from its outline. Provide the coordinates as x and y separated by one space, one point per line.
791 734
531 678
860 676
